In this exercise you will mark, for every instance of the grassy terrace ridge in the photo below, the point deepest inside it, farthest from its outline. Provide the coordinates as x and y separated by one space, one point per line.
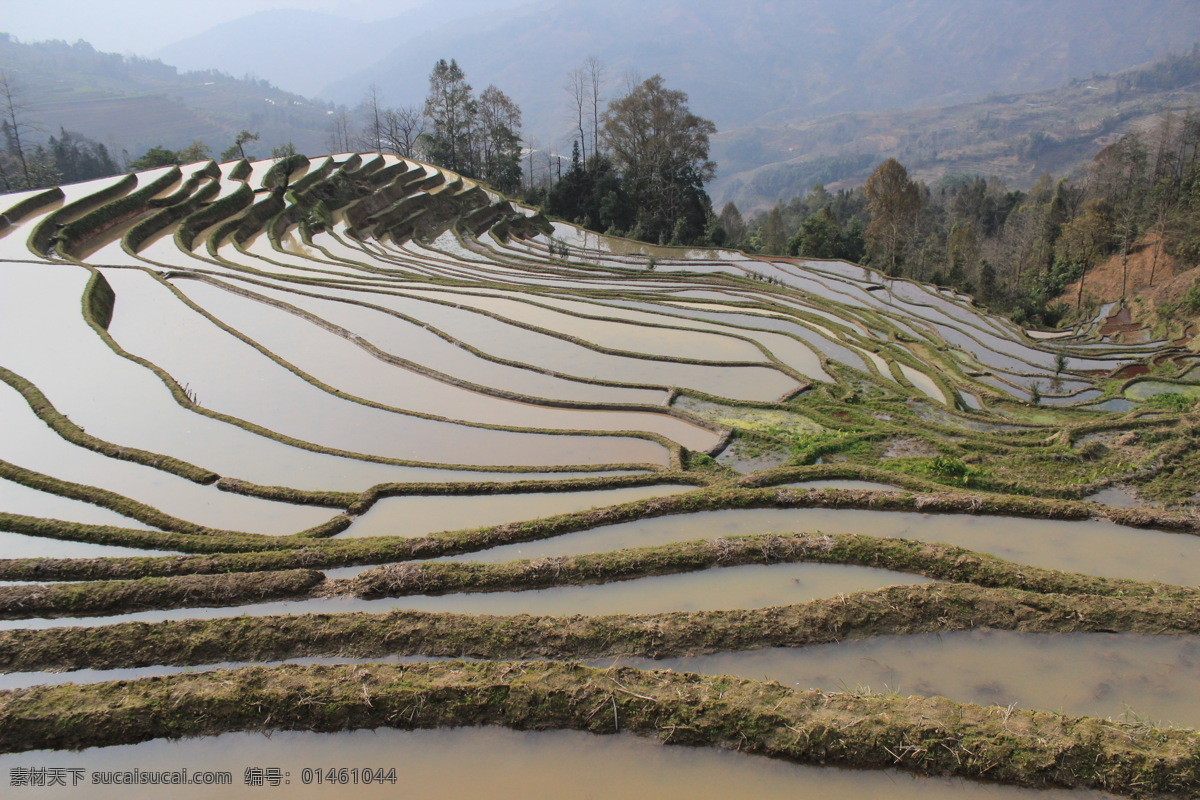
225 551
930 736
215 589
74 434
121 597
898 610
921 392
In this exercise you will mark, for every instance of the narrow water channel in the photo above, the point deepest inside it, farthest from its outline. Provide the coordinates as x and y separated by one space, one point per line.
492 763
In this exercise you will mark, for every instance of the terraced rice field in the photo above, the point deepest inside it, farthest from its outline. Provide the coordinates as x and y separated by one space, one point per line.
354 444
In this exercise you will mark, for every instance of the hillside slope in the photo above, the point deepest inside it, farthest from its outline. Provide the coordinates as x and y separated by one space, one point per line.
1015 137
135 104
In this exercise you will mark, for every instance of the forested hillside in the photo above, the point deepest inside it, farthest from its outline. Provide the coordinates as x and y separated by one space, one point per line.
1138 202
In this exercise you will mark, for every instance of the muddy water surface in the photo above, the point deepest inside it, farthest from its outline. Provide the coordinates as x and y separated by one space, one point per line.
1119 676
44 338
751 586
417 343
615 335
418 515
18 545
17 498
1092 547
513 343
494 763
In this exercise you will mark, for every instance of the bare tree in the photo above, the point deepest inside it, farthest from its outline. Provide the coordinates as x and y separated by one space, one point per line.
1164 191
371 137
341 132
594 69
631 79
13 109
402 129
577 88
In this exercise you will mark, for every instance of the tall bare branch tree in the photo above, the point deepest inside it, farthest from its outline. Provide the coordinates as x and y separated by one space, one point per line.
595 77
372 113
577 87
402 129
16 125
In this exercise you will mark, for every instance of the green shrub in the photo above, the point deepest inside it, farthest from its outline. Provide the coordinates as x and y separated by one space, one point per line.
1191 300
1173 401
948 467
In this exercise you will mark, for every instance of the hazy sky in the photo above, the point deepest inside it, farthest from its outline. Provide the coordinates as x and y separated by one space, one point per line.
143 26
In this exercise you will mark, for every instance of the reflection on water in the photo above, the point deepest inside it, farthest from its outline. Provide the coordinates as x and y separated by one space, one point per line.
16 498
509 342
122 402
495 763
417 343
339 362
230 376
34 445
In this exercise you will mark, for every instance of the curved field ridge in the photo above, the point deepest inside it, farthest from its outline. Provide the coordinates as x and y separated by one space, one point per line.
312 391
928 735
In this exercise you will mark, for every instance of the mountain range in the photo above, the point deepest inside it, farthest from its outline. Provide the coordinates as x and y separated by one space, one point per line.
801 91
768 63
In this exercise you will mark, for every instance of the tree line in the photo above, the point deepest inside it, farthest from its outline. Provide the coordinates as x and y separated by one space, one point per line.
1016 251
638 165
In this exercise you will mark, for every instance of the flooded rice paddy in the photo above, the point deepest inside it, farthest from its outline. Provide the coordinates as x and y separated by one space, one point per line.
498 763
1106 675
296 364
750 586
1089 547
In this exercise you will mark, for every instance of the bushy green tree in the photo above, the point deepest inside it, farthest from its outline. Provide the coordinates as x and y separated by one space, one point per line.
238 148
895 201
157 156
78 158
477 137
661 151
450 108
590 194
